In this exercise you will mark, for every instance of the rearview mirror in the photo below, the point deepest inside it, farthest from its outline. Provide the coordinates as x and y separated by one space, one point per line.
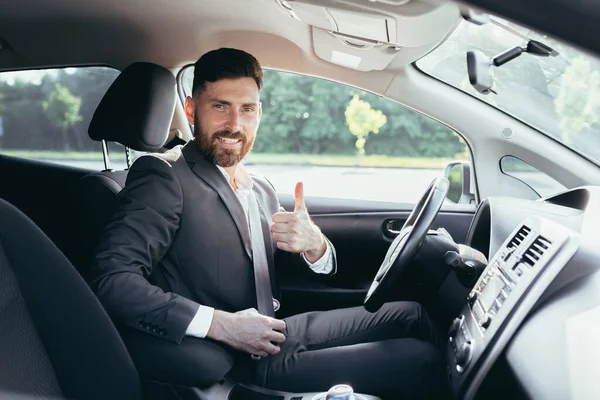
481 72
458 174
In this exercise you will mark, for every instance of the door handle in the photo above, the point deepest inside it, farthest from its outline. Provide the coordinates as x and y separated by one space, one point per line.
393 226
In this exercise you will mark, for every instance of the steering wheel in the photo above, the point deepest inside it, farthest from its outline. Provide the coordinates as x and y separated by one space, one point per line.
406 245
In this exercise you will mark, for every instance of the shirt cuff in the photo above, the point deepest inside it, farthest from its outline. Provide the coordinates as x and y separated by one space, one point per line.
201 322
323 265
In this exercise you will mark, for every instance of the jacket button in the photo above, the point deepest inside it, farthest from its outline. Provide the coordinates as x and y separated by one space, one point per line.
162 332
155 329
142 325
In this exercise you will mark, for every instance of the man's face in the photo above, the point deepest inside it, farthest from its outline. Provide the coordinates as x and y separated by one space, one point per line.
226 116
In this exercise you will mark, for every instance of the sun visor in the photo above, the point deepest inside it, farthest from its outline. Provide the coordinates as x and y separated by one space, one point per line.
353 52
375 27
368 34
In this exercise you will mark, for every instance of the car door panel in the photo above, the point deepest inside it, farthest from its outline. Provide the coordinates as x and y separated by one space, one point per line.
359 231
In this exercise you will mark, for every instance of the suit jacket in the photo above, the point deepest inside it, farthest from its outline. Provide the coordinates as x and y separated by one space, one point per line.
179 238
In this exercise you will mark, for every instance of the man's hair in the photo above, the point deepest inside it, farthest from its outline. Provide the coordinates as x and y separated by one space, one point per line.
225 63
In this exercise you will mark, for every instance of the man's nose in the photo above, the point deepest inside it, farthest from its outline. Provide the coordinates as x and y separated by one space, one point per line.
234 123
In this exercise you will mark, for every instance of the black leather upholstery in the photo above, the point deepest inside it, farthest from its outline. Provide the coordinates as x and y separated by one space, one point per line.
137 109
55 338
98 199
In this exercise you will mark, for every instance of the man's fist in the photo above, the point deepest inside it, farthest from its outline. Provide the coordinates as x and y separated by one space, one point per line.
295 232
248 331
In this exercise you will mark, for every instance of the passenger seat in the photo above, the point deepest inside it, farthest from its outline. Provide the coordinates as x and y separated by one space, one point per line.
56 340
136 112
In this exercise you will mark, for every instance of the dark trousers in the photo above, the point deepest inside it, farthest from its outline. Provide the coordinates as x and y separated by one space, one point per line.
394 353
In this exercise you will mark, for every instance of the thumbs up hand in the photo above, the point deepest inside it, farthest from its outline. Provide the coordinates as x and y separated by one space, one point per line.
295 232
299 197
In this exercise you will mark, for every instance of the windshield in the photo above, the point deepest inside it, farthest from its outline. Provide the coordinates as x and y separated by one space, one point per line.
560 95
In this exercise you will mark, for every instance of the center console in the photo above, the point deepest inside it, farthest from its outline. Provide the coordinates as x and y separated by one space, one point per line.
236 391
505 293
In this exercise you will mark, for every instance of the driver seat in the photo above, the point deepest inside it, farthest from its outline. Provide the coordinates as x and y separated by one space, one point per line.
137 111
56 340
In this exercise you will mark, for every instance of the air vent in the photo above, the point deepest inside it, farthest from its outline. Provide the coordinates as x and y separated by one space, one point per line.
537 249
518 238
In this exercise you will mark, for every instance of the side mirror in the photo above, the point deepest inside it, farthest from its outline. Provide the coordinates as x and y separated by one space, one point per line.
481 72
459 175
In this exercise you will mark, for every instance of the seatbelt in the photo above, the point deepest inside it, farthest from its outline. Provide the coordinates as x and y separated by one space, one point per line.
264 293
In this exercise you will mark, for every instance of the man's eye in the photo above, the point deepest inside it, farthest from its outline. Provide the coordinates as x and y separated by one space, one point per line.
249 109
219 106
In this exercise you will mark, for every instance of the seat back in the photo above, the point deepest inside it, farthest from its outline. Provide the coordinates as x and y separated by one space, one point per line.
136 111
56 340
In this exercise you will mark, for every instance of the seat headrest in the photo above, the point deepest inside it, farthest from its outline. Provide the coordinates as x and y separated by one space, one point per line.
137 109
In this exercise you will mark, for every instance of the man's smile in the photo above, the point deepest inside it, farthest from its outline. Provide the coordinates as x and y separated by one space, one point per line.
229 143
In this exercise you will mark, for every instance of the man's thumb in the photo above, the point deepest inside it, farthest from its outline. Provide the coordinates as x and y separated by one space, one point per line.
299 196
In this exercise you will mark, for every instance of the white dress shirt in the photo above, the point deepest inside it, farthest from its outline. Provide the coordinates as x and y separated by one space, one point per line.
203 318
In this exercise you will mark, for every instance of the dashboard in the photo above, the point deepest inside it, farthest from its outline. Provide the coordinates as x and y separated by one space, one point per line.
536 307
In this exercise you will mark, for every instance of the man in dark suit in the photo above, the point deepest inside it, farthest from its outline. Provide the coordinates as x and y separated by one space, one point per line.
191 251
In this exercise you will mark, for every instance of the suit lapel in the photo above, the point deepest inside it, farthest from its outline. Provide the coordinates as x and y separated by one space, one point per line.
210 174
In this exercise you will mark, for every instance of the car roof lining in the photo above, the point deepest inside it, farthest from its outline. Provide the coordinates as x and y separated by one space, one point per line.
71 32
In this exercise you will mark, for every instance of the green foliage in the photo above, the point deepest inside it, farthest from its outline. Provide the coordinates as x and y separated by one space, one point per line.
51 110
301 115
578 101
62 108
363 120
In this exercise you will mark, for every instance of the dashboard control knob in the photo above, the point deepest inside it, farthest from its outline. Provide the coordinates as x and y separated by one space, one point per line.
454 327
463 355
486 320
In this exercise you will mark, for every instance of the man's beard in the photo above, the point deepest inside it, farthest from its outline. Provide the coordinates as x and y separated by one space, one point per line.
209 144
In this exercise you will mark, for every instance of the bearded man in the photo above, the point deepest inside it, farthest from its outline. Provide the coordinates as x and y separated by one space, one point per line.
191 253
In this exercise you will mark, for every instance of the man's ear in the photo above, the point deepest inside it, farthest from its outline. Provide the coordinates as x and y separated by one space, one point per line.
259 111
190 109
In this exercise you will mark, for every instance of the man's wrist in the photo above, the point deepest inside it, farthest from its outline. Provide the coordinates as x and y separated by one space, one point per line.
199 325
216 330
315 255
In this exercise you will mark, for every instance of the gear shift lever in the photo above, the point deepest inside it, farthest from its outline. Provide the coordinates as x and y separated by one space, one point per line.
468 264
340 392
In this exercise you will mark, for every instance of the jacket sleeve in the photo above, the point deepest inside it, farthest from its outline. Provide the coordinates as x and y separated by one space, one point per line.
137 237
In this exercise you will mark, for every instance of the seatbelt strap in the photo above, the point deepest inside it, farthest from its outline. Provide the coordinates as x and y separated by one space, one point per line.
264 292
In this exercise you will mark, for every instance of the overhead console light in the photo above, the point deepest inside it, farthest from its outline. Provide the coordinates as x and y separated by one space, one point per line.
345 59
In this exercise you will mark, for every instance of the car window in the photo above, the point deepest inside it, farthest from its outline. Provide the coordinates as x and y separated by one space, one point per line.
558 95
541 183
343 142
45 114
